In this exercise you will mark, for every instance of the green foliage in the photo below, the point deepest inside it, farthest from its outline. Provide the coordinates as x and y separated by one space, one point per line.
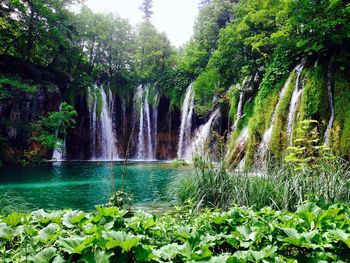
38 31
173 84
154 53
281 186
47 129
341 131
211 19
179 163
237 235
279 138
206 86
314 101
9 85
209 186
120 199
307 152
99 103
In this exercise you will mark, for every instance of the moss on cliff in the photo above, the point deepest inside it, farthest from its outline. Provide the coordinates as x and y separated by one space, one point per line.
279 138
314 101
341 131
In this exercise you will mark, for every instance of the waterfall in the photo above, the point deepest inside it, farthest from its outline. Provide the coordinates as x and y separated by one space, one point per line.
102 134
331 103
263 147
241 143
155 124
202 135
241 164
145 145
239 111
294 102
186 121
242 139
59 154
91 103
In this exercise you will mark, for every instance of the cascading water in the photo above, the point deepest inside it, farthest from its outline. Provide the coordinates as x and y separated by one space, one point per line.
331 103
239 111
294 102
186 122
59 153
241 143
155 123
145 146
102 134
263 147
202 135
92 102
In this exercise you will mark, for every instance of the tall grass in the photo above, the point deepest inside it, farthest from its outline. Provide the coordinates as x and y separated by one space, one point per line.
281 187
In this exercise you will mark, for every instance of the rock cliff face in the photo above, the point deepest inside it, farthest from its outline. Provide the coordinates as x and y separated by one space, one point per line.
126 125
20 105
270 121
263 122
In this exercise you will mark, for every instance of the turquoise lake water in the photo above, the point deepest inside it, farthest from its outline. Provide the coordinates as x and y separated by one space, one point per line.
82 185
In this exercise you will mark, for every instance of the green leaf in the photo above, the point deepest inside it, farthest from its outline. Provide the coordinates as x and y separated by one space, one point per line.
13 219
48 234
75 245
109 212
309 212
72 218
168 252
44 256
120 239
42 216
6 232
97 257
142 253
341 235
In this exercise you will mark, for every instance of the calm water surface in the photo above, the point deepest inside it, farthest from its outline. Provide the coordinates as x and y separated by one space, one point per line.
82 185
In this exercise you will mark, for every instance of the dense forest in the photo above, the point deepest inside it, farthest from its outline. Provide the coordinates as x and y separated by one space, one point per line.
239 50
252 112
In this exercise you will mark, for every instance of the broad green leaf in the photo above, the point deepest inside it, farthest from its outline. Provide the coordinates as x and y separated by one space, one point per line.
75 245
58 259
13 219
309 212
291 232
48 234
120 239
109 212
168 252
72 218
341 235
97 257
142 252
6 232
44 217
44 256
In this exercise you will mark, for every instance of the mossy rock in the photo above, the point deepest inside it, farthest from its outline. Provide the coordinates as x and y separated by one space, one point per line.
279 140
341 136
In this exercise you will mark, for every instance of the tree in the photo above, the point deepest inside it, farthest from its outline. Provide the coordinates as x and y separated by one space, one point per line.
146 8
108 42
38 31
154 52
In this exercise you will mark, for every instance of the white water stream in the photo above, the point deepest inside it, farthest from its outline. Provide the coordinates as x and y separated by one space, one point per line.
186 122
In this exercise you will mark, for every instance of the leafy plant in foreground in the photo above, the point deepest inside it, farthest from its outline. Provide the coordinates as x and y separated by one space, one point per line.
237 235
